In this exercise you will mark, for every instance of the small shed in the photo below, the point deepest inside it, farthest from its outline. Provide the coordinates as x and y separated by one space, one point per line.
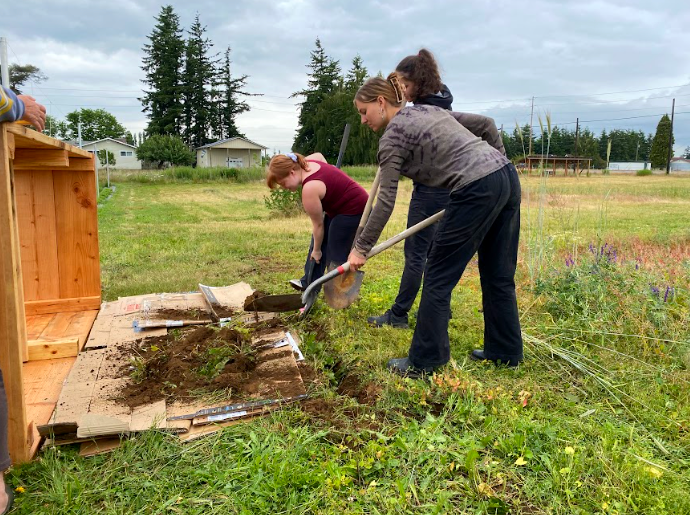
50 291
551 163
125 154
234 152
680 164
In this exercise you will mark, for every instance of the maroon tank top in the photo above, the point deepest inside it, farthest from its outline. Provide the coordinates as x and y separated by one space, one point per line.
343 195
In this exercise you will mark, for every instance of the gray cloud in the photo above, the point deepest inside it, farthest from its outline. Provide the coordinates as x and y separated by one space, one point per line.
494 55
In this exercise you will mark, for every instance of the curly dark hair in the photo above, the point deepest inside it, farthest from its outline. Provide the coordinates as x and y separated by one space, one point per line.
422 70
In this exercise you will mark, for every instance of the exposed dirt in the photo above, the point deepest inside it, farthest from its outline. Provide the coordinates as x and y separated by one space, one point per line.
180 314
251 298
204 359
365 393
224 312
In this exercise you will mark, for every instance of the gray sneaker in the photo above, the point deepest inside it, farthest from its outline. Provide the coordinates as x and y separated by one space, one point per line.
388 318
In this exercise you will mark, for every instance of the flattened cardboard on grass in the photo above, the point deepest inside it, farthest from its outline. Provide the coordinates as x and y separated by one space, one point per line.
88 406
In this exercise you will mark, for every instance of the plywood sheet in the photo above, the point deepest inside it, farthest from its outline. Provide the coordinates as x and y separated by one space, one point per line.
77 234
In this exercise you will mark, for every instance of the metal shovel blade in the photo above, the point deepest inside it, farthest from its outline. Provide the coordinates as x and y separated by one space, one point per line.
276 303
343 290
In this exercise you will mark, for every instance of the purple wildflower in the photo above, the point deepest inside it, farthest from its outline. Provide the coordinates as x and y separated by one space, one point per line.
668 290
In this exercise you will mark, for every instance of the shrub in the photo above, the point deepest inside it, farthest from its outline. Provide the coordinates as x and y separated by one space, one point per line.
284 202
165 149
641 173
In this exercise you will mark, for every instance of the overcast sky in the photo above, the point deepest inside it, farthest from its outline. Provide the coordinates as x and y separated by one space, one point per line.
596 60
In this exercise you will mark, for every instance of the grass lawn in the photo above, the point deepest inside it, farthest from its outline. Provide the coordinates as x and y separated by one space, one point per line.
595 421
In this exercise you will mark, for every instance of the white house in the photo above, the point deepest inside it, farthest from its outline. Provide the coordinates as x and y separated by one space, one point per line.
125 154
680 164
231 153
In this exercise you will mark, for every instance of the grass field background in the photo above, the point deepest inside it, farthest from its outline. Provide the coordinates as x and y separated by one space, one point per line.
595 420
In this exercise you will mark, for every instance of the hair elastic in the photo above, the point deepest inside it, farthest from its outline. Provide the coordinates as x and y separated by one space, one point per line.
292 156
395 82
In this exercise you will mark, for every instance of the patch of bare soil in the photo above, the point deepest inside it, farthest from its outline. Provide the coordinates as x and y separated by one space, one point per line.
180 314
203 359
365 393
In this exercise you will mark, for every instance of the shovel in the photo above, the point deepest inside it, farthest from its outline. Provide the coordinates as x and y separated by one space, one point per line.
347 293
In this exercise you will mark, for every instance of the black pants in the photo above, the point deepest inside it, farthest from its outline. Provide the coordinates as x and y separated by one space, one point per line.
425 202
338 237
4 453
482 217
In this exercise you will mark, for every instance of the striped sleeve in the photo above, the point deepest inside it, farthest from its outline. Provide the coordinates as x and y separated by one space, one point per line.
11 107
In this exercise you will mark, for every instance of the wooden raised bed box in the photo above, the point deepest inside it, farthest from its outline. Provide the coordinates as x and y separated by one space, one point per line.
50 289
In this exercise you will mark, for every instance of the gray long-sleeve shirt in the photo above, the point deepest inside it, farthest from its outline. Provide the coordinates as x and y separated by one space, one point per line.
434 147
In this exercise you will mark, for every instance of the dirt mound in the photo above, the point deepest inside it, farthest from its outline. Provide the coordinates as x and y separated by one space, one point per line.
200 360
353 386
180 314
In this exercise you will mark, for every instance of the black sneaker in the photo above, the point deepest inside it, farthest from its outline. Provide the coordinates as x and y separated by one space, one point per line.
478 355
404 368
297 284
388 318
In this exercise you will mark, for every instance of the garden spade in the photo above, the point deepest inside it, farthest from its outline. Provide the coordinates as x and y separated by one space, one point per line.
349 291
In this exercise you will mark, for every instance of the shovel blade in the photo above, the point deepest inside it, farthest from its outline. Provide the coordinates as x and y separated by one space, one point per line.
343 290
276 303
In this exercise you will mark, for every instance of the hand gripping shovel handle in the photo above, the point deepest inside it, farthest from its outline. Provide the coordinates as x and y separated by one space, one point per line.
376 250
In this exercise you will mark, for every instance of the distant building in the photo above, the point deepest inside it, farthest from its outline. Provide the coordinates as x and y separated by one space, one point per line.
680 164
234 152
125 154
630 166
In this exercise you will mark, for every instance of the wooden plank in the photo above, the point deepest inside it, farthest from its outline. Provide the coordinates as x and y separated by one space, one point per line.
36 324
28 138
26 226
43 349
10 145
82 164
46 236
58 325
12 321
77 234
42 307
32 158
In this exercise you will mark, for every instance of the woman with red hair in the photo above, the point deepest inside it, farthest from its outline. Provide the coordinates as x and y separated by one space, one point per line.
333 201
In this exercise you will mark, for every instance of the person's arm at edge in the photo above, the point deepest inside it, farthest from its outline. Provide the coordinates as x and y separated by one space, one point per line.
311 200
11 106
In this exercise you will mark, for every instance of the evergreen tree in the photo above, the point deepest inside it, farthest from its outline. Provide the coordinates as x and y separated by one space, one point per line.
659 151
163 67
229 104
356 75
198 81
686 153
324 80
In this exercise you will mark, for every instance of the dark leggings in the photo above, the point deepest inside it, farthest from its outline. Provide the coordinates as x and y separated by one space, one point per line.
482 217
425 202
338 237
4 453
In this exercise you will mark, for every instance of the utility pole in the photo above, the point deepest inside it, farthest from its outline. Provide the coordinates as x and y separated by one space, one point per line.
531 116
670 139
5 72
577 147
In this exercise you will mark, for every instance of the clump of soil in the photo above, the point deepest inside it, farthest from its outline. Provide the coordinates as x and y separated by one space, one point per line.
180 314
202 359
224 312
365 393
249 301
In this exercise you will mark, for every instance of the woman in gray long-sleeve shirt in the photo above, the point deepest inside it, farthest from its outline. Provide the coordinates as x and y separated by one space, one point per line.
428 145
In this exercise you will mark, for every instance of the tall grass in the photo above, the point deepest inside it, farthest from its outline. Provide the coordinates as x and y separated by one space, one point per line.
188 174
